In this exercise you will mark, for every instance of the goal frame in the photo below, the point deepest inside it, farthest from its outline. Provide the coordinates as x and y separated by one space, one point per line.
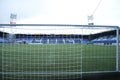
85 26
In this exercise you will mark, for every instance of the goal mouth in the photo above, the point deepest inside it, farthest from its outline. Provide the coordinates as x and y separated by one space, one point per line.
58 51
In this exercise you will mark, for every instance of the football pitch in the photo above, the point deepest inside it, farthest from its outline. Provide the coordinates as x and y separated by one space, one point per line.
55 60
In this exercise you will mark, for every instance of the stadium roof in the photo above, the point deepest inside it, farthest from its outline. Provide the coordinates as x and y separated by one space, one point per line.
53 29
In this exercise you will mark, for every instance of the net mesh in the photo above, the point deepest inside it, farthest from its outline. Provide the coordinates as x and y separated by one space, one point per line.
56 56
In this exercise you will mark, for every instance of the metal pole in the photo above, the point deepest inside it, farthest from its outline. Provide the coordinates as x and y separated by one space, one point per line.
117 49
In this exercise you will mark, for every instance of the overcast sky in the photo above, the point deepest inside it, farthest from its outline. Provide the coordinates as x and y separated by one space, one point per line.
61 11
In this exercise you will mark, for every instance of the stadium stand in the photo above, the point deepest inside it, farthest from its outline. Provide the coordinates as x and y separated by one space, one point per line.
1 40
105 38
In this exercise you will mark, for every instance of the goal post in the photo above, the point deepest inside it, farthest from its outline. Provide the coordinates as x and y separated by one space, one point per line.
58 51
117 50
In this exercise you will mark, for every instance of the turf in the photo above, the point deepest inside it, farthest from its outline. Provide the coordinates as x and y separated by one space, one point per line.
55 60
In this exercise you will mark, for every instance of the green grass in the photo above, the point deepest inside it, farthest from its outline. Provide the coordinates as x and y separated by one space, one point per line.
56 58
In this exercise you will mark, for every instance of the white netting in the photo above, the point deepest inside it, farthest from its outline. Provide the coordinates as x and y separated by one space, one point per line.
56 56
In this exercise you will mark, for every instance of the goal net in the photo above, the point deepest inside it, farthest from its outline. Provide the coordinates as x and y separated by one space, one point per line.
42 52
